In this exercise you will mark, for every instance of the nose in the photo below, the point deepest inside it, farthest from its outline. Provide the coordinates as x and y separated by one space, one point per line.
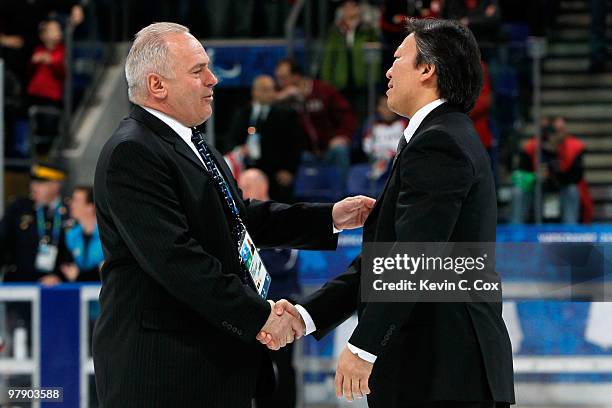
388 74
210 79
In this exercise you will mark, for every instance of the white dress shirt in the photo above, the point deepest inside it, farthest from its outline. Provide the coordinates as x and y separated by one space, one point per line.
183 131
413 125
419 116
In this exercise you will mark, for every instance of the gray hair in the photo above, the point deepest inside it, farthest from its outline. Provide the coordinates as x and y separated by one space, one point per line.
149 54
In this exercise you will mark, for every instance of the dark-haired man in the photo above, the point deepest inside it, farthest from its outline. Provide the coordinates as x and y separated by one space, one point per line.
83 239
440 189
325 115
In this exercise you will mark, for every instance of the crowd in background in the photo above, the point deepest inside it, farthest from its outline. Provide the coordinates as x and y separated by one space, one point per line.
295 120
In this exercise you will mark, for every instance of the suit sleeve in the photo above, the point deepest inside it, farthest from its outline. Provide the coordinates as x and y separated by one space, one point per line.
299 226
336 301
147 213
435 177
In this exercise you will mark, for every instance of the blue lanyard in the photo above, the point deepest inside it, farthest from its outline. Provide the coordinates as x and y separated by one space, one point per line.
57 225
218 179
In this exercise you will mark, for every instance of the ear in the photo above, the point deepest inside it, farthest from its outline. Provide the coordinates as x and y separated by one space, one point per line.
156 86
427 71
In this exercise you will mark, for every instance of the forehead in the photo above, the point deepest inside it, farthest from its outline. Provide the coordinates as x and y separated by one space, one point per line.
408 45
186 48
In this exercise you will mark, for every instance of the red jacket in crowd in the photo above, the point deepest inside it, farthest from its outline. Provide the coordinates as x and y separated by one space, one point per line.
325 114
480 112
48 79
567 152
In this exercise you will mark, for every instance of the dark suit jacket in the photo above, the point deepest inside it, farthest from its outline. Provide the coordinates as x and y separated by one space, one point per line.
440 189
178 324
282 139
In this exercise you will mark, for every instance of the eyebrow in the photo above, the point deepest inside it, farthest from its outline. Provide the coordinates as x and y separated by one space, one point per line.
198 65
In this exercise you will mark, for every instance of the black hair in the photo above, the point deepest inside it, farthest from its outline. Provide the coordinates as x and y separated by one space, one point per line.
453 50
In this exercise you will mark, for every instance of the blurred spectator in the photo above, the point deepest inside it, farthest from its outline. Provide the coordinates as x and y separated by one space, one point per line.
282 266
46 85
480 112
270 137
381 137
562 173
599 43
32 240
480 16
246 18
393 23
83 239
344 64
325 114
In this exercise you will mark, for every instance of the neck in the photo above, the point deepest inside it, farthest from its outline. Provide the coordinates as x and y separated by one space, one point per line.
161 108
421 102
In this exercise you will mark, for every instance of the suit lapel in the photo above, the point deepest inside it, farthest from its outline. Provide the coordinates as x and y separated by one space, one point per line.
440 110
166 133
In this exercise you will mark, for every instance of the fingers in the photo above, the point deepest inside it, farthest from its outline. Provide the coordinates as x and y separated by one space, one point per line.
339 381
356 390
282 306
347 388
364 386
263 337
298 327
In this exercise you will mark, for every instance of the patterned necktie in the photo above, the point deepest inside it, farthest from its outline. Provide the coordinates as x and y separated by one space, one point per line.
219 181
402 142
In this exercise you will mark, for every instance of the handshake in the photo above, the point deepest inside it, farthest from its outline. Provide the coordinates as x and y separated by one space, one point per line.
284 325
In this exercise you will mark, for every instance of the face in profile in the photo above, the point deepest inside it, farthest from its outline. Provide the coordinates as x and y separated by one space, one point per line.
404 79
190 89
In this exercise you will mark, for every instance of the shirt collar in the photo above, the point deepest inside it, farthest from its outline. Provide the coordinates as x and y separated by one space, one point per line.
183 131
419 116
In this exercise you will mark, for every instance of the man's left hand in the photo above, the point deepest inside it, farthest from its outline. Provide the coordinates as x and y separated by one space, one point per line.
352 376
352 212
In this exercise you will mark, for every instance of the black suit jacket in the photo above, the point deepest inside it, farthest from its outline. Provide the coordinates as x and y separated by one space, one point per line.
178 324
441 189
282 138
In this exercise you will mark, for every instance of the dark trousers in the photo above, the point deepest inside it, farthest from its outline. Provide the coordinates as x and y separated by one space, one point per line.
285 394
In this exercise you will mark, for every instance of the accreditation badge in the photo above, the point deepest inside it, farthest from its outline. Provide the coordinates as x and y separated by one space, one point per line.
46 257
249 256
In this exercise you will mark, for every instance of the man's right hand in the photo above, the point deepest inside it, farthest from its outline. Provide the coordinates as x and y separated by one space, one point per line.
283 326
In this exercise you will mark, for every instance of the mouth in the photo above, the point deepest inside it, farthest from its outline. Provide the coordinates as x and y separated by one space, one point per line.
208 98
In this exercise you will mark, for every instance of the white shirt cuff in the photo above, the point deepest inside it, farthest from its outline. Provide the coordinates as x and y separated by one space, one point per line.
309 323
362 354
336 230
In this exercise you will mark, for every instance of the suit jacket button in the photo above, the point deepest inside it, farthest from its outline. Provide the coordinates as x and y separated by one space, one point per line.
224 323
392 327
240 332
234 329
